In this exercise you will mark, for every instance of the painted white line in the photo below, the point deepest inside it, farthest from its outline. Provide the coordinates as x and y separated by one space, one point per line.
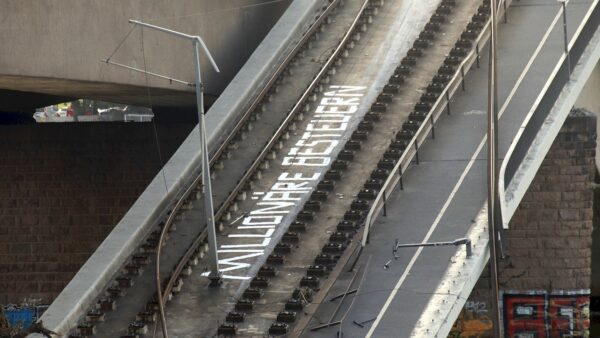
460 181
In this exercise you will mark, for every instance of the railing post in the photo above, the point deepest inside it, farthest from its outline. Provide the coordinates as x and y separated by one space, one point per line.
384 205
505 12
447 102
462 77
432 127
400 173
477 52
417 151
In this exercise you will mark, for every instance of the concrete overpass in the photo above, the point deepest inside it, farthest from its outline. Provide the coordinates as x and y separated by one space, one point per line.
51 50
431 270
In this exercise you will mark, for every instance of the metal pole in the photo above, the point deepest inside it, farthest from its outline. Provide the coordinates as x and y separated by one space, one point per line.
491 171
566 39
214 275
213 257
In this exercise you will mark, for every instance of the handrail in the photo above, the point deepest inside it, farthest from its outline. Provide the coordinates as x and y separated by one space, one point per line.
436 110
268 147
543 104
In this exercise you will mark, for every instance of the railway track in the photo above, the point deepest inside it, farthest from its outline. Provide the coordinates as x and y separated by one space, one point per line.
330 207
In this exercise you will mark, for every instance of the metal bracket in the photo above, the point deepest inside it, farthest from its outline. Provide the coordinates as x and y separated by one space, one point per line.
460 241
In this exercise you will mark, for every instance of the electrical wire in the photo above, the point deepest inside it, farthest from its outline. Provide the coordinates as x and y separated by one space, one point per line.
163 321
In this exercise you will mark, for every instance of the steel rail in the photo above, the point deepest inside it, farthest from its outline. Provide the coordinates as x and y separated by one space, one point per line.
266 150
442 103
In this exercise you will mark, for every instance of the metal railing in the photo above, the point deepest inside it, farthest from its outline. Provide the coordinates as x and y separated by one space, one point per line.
547 97
412 149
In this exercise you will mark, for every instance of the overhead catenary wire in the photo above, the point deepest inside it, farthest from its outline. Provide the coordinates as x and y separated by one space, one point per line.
162 316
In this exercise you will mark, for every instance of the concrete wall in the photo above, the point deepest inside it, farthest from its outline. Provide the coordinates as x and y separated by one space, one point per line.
548 264
54 47
63 187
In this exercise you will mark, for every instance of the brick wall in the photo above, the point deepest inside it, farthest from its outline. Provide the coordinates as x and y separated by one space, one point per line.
63 187
549 238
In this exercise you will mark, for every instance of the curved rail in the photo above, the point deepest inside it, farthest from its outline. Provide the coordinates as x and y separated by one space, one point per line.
161 295
442 103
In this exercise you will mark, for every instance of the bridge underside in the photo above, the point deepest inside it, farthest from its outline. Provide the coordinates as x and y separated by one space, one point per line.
53 51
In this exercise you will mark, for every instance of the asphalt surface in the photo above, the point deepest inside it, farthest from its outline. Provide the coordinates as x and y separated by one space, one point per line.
427 186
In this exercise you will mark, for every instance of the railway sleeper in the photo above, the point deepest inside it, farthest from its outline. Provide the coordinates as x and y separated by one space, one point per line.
393 154
380 173
339 237
333 175
352 145
276 259
95 316
138 328
278 329
396 79
312 205
398 144
305 294
406 135
305 216
326 185
347 226
424 107
429 97
340 164
386 163
290 237
333 248
346 155
253 293
359 204
298 226
372 117
294 304
427 35
405 70
267 271
469 34
391 89
418 116
325 259
260 282
86 329
438 18
227 330
146 316
235 317
366 125
310 282
432 26
411 125
379 107
316 270
115 292
464 43
421 43
367 194
480 17
244 305
385 98
459 51
443 10
286 317
410 61
282 248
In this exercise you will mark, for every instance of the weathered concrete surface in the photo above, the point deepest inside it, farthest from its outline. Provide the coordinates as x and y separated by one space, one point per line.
54 47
